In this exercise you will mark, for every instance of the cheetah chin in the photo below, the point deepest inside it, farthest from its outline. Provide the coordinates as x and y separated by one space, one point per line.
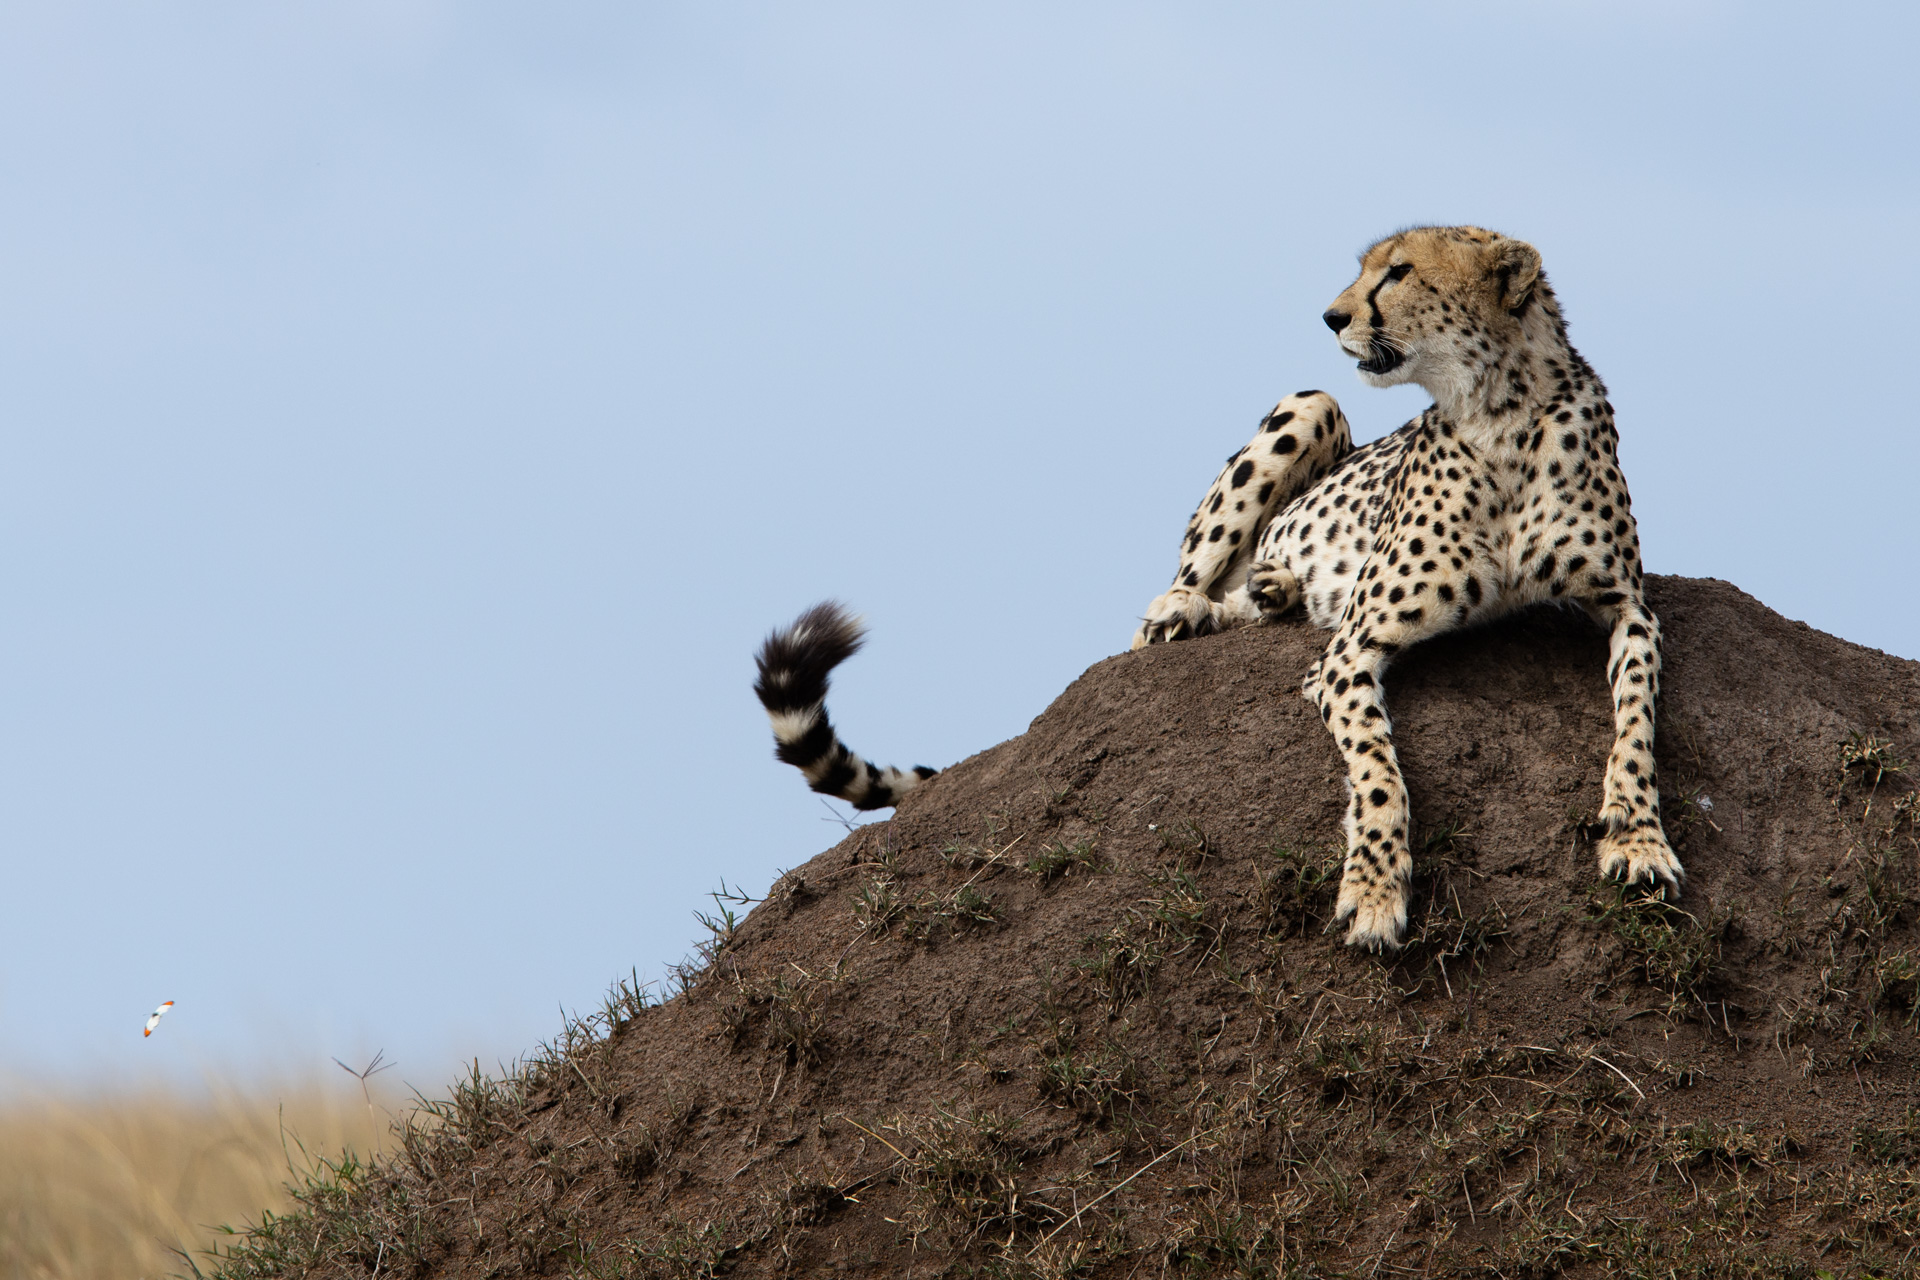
1382 359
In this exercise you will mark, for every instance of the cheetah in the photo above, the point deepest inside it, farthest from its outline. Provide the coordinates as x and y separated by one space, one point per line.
1506 491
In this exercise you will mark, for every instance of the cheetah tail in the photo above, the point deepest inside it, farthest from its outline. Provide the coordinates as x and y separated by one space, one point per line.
794 666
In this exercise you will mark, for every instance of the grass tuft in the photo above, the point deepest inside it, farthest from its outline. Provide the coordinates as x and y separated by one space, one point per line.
1870 758
878 907
1060 858
964 1172
1664 946
1294 895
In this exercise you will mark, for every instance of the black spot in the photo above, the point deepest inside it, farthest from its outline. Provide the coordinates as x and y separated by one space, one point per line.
1285 444
1545 571
1266 491
1378 797
1278 420
1473 590
1242 473
1217 531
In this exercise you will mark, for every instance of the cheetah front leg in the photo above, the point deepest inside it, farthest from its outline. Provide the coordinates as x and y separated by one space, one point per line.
1376 881
1632 844
1298 443
1398 599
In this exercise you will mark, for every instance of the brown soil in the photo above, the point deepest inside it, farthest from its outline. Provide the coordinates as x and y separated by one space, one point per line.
921 1056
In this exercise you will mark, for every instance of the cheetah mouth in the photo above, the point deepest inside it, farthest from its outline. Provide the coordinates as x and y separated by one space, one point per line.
1382 358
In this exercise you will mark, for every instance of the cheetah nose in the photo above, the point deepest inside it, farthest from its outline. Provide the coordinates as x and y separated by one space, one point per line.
1336 320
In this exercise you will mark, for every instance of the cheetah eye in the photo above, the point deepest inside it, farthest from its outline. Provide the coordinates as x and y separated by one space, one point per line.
1400 271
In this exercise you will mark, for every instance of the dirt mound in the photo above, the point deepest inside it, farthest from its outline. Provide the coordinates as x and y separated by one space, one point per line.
1074 1011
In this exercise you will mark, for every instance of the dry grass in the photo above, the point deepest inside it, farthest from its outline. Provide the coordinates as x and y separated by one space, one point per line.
99 1189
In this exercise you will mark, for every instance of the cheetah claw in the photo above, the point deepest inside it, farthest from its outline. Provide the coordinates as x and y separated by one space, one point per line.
1179 613
1376 917
1271 589
1642 857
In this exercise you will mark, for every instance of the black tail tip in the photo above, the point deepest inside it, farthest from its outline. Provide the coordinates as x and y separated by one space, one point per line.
794 662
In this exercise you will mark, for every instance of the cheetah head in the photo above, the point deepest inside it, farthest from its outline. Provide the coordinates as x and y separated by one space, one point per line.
1432 304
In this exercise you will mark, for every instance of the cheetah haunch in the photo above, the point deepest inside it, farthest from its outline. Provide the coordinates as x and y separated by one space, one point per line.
1505 492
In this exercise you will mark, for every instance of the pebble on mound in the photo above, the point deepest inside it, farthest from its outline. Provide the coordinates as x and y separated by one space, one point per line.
1074 1012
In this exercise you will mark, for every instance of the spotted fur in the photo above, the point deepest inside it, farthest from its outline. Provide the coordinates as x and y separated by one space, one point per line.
794 668
1506 491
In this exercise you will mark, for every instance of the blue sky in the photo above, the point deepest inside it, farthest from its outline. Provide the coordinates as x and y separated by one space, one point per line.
413 414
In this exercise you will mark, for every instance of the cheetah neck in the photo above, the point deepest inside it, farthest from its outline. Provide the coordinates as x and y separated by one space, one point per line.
1491 398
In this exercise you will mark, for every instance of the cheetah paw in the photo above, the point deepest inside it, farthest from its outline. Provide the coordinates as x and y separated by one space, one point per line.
1378 915
1272 589
1642 857
1180 613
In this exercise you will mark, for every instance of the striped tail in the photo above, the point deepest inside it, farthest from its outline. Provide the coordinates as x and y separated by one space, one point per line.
794 666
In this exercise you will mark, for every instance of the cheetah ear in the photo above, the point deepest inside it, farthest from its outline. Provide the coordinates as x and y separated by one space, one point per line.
1515 268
